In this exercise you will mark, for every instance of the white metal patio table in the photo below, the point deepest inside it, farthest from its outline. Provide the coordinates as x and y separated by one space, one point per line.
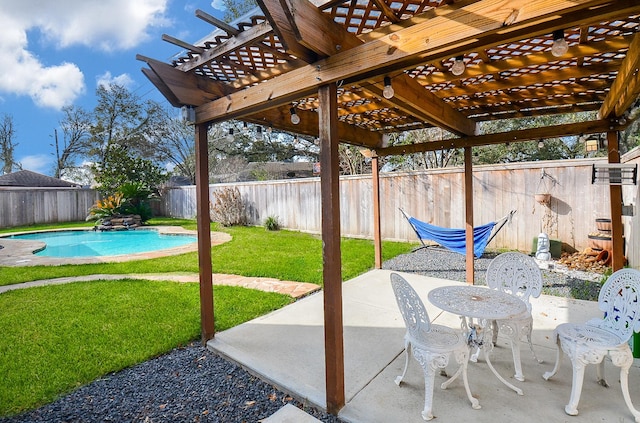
485 305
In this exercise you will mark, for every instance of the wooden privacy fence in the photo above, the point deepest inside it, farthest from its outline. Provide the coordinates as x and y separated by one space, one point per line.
437 197
21 206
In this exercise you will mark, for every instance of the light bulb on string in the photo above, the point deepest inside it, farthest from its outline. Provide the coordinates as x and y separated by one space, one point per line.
560 46
295 119
458 67
259 133
387 91
230 136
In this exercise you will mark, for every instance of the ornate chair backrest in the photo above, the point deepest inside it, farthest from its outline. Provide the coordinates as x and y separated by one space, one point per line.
516 274
619 299
411 306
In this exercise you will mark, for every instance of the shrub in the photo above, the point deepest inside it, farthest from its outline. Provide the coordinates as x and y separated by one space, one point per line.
271 223
228 208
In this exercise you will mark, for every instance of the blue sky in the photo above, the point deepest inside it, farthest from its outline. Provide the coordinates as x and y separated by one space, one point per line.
55 53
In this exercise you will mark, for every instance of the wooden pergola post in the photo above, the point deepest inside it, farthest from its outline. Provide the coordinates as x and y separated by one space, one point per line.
468 203
331 258
615 195
204 233
377 236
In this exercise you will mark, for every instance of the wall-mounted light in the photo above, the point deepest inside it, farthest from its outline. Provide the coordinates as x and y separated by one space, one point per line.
387 91
259 133
230 136
295 119
560 46
458 67
188 114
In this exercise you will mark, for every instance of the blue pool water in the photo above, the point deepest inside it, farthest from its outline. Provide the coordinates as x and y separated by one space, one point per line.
111 243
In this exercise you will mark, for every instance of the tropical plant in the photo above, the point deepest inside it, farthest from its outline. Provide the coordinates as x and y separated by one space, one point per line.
106 207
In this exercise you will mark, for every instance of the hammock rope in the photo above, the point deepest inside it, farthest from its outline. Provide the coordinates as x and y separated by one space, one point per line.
454 239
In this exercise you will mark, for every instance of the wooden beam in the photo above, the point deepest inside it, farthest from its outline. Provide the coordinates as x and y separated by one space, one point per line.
591 127
217 22
626 88
413 98
615 197
331 256
186 88
468 215
162 87
180 43
309 124
207 321
279 15
377 232
482 23
248 37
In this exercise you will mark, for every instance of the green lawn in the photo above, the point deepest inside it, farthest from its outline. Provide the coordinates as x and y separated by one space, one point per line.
253 251
56 338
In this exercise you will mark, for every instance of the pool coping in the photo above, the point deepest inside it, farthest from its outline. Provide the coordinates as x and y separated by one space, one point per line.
21 253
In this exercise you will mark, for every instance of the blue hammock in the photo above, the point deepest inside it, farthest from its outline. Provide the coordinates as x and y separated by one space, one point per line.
455 239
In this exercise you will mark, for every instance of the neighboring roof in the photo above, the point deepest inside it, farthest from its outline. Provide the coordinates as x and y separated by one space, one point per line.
256 68
27 178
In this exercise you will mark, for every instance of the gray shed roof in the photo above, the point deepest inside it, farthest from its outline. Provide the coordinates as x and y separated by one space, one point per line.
27 178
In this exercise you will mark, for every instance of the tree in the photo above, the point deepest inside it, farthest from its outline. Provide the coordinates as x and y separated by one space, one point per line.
236 8
428 159
122 119
121 167
7 144
75 126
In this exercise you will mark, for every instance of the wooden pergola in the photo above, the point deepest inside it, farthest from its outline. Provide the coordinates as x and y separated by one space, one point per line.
330 60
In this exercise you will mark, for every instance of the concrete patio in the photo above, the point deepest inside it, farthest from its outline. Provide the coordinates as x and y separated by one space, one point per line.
286 348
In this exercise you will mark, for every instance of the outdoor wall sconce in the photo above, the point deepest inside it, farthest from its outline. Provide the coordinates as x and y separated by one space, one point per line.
458 67
560 46
387 91
295 119
614 174
188 114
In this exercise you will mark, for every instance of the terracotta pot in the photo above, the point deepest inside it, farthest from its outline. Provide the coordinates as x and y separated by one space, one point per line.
543 198
597 242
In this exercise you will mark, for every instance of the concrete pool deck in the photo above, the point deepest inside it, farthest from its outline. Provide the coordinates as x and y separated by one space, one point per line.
15 252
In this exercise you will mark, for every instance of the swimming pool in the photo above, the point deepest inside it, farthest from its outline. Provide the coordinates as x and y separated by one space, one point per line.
108 243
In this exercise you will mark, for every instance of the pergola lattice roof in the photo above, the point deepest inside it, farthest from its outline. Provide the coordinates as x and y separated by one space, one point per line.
506 45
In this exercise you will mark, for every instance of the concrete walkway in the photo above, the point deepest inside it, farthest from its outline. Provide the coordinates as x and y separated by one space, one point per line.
286 347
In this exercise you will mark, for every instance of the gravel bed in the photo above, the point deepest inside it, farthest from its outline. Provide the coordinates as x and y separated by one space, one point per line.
192 384
441 263
189 384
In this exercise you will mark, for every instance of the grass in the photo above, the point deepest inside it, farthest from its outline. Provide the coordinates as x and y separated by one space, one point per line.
57 338
285 255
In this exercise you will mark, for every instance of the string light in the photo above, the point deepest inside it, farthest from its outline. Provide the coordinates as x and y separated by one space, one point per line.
458 67
230 136
560 46
245 128
295 119
259 133
387 91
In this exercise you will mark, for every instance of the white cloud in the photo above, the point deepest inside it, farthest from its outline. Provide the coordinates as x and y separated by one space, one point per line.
41 163
108 25
106 80
218 4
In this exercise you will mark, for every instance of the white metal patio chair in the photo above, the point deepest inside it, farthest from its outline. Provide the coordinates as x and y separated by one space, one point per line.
519 275
432 345
590 342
